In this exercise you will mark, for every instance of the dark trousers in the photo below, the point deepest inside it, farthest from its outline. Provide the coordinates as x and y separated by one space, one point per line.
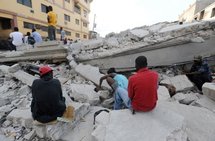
11 46
199 80
51 32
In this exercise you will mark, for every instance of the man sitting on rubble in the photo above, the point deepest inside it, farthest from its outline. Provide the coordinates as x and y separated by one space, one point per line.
199 72
142 87
119 84
48 102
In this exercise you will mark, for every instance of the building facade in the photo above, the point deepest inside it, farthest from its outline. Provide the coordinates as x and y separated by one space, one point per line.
72 15
201 9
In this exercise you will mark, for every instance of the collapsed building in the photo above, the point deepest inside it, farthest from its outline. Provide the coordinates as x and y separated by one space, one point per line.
186 115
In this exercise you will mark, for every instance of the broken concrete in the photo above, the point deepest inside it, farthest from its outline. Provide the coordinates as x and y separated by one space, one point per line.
181 82
208 89
205 102
163 93
24 77
84 93
124 126
91 73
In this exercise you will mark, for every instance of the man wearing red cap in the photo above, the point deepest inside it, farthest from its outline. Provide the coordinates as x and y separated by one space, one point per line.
48 102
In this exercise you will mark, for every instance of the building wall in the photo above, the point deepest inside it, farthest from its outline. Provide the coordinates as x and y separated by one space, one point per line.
208 12
200 10
19 14
187 15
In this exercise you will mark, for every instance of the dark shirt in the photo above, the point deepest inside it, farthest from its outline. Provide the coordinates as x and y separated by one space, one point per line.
203 69
48 102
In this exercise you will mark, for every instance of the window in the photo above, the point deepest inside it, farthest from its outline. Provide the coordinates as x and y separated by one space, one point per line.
67 1
77 9
202 15
44 8
84 24
5 23
68 33
85 13
66 17
85 36
25 2
77 35
213 12
28 25
77 21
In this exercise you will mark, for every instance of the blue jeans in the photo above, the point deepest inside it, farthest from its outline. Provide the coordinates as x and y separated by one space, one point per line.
121 99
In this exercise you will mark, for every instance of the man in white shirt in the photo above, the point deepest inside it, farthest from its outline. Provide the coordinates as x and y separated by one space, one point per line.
17 38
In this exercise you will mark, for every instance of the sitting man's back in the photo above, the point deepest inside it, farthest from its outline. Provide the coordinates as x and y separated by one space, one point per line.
48 102
142 87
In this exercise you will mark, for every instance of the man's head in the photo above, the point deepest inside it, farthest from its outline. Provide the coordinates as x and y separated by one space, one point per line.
16 29
111 70
45 70
61 28
50 8
140 62
33 30
28 34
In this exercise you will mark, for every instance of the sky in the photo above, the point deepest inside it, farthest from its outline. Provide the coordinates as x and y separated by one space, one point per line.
120 15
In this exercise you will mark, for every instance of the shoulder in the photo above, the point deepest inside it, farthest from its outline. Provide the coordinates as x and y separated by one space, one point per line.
36 81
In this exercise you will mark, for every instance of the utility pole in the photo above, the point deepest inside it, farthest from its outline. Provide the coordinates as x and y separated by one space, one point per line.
94 24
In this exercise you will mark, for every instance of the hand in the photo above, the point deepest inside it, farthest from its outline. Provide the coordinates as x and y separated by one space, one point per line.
97 89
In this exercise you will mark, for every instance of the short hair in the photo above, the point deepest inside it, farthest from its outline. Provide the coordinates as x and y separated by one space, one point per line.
33 29
111 70
50 8
28 33
140 62
16 29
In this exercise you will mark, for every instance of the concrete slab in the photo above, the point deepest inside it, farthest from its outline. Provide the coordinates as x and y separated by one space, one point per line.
91 73
208 89
24 77
181 82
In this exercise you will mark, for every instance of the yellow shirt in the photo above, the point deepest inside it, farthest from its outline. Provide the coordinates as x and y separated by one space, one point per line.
52 18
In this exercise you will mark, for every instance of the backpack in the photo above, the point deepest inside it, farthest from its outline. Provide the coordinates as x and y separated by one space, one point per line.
31 40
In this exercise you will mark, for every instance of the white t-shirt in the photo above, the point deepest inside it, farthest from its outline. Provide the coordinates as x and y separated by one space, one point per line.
17 38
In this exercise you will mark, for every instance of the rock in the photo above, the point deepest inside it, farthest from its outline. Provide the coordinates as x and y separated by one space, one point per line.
189 98
91 73
179 96
24 77
4 68
208 89
22 117
140 33
14 68
199 121
30 135
181 82
84 93
205 102
197 40
111 42
163 93
164 124
24 90
4 101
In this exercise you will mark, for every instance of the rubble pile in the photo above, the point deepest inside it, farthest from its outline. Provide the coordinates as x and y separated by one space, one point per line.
183 113
142 37
180 117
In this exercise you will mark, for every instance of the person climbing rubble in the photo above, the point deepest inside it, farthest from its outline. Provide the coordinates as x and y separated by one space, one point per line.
119 84
142 87
199 72
48 102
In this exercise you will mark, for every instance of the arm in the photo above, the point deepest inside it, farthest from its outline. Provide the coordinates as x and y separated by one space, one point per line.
105 77
48 18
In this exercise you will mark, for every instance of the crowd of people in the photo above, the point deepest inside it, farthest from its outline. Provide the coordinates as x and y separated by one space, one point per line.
16 38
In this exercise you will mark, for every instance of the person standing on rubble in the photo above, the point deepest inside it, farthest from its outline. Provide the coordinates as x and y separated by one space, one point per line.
48 102
142 87
200 72
119 84
52 21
